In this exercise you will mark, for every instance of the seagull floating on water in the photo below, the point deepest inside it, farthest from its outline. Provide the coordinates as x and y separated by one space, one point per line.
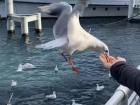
19 68
13 83
99 88
51 96
28 66
69 34
109 75
74 103
56 69
138 67
25 66
9 104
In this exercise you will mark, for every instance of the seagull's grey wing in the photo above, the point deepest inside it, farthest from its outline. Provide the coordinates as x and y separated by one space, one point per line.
60 28
62 10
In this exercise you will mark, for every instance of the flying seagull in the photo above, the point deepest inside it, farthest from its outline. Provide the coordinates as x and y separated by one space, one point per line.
69 34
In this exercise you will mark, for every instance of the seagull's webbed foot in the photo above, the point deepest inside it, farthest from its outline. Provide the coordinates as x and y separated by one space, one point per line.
69 60
75 69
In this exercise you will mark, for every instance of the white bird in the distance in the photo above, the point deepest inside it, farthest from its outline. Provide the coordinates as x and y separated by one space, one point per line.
13 83
109 75
69 34
138 67
21 67
51 96
9 104
28 66
99 88
56 69
74 103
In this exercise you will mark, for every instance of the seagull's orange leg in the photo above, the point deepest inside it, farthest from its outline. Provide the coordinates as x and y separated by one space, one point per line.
70 62
67 58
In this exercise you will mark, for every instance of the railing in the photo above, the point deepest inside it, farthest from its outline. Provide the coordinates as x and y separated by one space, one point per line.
124 96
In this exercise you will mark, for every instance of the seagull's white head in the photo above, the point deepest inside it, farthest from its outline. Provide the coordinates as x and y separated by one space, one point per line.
100 47
54 92
105 49
97 85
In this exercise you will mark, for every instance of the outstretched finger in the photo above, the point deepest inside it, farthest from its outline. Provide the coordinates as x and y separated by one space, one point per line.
102 58
107 57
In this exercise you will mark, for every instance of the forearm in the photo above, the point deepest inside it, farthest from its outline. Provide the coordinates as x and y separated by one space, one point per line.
126 75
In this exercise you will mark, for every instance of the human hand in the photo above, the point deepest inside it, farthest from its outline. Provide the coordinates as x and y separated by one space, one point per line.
108 60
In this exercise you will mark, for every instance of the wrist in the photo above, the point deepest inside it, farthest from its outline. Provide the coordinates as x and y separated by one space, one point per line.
117 64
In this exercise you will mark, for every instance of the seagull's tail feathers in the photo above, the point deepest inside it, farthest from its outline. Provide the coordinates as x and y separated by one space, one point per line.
53 44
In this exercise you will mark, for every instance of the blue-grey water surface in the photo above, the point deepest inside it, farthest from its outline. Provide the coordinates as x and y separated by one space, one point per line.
123 39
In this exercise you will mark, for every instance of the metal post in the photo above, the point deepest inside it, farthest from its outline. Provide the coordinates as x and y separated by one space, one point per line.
9 7
10 12
25 29
38 23
120 97
130 9
10 25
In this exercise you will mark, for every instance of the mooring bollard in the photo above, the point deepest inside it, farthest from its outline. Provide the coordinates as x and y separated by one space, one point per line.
10 12
10 25
24 27
38 23
9 7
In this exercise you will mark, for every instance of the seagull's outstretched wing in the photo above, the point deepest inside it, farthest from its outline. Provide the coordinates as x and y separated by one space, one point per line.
60 42
61 9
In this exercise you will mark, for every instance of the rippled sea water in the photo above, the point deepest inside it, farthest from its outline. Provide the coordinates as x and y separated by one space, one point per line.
123 38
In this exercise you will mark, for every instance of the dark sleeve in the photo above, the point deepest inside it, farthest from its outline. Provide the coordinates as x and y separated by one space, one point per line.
126 75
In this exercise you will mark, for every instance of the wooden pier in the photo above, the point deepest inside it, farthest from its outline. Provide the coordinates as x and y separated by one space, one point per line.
23 19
